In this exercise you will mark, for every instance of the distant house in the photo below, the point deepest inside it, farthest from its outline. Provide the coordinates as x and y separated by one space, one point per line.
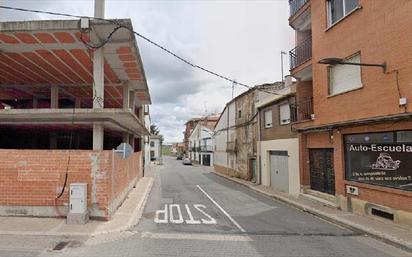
277 145
201 143
191 124
236 131
155 147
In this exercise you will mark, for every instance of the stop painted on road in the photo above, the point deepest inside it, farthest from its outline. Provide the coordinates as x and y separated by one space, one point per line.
172 213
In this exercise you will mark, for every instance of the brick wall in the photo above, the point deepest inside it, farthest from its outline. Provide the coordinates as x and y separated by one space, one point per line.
381 32
35 177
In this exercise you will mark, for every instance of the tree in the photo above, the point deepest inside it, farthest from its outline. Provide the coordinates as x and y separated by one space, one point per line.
154 129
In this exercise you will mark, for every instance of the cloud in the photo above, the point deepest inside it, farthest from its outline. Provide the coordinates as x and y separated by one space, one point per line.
238 39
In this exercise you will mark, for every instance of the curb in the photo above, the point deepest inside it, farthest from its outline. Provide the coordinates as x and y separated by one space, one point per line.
328 217
135 217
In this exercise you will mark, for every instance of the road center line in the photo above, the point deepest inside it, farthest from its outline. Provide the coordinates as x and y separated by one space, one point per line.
221 209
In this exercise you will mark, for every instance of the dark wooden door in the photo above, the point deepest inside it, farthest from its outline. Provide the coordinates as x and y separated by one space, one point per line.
322 175
206 160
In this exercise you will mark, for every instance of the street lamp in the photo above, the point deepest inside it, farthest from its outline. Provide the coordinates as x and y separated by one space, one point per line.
335 61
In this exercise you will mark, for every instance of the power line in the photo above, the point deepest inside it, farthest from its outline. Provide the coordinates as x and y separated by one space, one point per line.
116 22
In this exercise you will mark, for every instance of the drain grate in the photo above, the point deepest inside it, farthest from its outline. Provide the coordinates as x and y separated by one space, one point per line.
60 246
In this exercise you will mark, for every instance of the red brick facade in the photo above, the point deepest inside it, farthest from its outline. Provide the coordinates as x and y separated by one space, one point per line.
380 31
35 177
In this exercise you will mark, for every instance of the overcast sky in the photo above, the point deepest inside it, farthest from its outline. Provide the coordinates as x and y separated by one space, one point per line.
238 39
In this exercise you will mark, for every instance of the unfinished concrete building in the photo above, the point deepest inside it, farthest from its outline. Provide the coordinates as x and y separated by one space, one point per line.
65 104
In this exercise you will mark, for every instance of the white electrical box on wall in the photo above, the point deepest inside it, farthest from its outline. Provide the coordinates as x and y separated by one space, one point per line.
403 101
78 198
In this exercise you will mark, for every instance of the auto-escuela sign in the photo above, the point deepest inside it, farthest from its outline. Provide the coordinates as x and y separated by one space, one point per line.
386 164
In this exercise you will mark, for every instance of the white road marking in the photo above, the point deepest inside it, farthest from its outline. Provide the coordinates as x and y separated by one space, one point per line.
165 217
211 220
173 213
179 220
191 220
221 209
195 236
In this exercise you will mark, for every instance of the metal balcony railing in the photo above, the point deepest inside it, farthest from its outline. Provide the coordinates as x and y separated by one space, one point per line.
295 5
302 110
206 148
301 53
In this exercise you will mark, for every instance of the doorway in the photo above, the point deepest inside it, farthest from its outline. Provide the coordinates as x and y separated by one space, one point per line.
206 159
279 170
322 175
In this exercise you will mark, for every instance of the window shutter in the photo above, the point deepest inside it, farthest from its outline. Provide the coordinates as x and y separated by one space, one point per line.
345 77
268 119
284 114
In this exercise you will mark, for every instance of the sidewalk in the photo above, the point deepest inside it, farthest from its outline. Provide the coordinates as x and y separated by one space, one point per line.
385 231
126 216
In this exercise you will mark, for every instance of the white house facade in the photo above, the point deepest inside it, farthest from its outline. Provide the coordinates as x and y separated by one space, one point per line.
201 146
155 148
224 140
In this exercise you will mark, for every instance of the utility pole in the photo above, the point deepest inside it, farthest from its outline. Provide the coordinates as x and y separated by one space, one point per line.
98 79
281 63
233 87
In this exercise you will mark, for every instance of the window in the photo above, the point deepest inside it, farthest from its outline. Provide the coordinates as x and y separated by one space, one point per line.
284 116
344 78
337 9
268 119
239 113
152 143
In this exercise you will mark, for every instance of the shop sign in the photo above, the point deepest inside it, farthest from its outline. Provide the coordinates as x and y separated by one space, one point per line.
384 164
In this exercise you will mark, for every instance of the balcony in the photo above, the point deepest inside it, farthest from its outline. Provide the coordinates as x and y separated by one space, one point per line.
231 147
206 148
301 53
295 5
302 111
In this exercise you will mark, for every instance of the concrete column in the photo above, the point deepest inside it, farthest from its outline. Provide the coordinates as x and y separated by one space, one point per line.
35 102
78 103
131 140
99 8
126 96
98 76
53 140
125 137
98 134
54 97
132 104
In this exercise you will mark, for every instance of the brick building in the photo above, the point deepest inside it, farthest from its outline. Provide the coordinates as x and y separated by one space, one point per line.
64 109
354 121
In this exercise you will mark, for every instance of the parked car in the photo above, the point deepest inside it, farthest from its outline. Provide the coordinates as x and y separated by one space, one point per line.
187 161
179 157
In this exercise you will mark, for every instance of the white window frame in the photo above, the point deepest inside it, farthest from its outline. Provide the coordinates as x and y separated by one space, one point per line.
268 124
329 12
330 76
284 121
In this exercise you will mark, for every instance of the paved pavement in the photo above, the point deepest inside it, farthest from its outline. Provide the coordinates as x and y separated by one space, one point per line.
193 212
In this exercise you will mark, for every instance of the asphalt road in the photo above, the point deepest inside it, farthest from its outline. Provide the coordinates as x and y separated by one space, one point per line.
192 212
